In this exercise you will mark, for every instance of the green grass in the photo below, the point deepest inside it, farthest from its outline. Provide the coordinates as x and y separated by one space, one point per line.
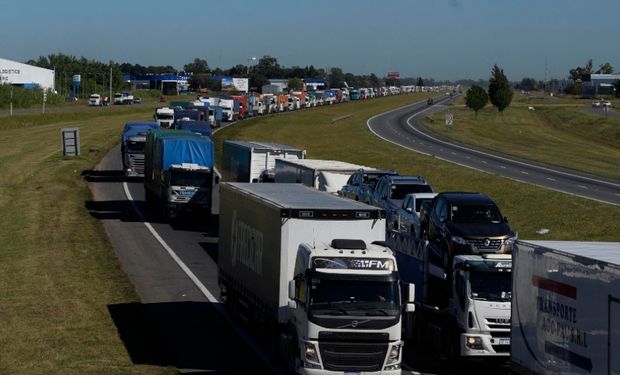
528 208
58 272
562 134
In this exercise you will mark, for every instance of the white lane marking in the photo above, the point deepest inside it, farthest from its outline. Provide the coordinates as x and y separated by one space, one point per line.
203 289
503 158
503 167
583 187
524 172
551 179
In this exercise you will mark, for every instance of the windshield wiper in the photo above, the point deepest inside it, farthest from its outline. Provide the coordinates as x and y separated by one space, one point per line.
382 311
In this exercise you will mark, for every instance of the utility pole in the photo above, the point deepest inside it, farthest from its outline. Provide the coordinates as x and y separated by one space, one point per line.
110 97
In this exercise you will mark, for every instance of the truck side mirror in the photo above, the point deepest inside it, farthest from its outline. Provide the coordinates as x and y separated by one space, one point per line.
411 292
410 306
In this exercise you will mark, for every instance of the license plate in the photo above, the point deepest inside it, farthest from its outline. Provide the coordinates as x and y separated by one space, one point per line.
187 192
504 341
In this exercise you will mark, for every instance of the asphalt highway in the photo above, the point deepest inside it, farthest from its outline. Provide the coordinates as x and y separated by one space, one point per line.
402 127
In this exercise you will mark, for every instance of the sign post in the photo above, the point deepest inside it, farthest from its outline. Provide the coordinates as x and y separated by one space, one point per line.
449 119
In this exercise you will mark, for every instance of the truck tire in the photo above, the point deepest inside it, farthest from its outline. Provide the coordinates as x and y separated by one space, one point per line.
292 355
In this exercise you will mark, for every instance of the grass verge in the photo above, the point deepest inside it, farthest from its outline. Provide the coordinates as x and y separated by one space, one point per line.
58 272
558 132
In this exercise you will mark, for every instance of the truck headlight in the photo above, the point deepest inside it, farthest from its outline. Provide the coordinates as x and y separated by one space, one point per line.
473 342
459 240
394 355
310 353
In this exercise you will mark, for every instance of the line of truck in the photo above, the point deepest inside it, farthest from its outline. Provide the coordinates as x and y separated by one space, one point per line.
332 287
547 306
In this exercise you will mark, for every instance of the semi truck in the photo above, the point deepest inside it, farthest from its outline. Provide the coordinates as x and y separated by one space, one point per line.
462 312
178 173
566 308
123 98
300 266
230 109
253 161
326 175
133 141
164 117
200 127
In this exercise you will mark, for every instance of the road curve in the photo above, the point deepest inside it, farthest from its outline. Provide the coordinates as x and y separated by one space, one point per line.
402 127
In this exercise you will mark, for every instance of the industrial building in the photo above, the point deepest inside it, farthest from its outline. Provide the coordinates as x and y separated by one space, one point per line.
167 83
24 75
594 85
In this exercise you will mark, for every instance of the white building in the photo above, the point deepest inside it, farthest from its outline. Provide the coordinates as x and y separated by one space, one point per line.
19 74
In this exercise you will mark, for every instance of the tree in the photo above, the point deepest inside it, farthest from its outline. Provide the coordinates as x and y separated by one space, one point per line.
528 84
295 84
500 92
198 66
335 78
476 98
420 82
605 69
579 71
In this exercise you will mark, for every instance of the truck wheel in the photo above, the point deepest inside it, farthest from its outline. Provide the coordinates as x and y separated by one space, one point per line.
292 355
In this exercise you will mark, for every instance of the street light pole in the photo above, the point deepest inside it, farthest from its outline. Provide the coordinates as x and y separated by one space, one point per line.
249 61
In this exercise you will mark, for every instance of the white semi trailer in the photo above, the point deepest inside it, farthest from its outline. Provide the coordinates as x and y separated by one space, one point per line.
300 266
325 175
254 161
566 308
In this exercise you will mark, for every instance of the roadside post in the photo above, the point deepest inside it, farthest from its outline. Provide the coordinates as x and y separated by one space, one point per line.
449 119
70 141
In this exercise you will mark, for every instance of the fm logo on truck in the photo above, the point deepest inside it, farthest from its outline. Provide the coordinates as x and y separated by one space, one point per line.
246 246
353 263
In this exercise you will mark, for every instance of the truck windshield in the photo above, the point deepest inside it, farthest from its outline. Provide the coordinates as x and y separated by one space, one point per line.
165 117
354 297
135 147
491 286
479 214
190 178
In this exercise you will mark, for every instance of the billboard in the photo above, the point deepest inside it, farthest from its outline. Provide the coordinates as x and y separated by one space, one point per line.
235 84
393 75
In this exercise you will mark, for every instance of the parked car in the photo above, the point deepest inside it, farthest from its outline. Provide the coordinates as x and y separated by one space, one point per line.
596 104
606 103
391 190
408 214
361 184
137 100
465 223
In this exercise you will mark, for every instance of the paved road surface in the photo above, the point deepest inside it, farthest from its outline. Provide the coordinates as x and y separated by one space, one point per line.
402 127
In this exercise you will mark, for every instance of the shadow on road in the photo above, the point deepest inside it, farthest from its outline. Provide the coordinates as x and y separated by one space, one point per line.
123 210
428 364
190 336
105 176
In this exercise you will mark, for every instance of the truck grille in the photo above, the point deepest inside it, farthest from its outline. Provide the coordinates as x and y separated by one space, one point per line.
494 323
500 329
137 163
480 244
353 351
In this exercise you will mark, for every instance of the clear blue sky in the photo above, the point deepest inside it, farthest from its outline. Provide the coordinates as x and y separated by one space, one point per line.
442 39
